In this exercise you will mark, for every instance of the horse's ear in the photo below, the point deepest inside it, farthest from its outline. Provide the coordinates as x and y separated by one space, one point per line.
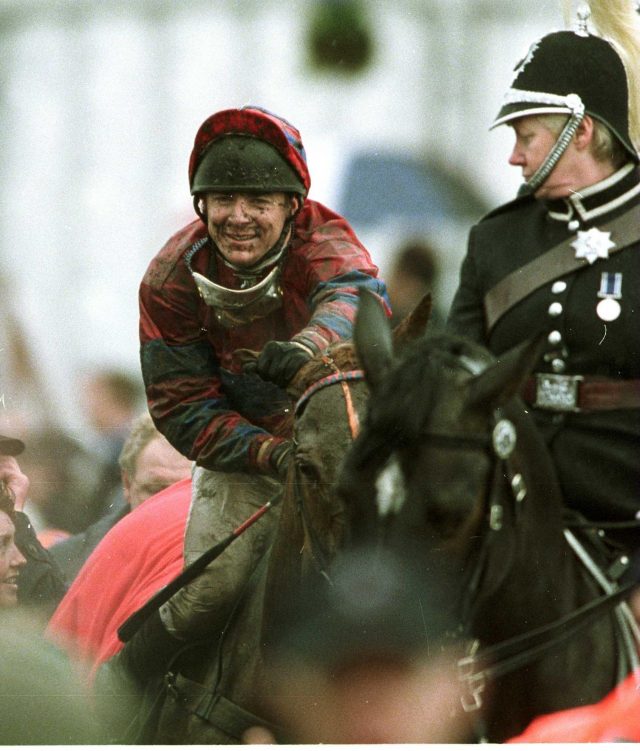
372 338
413 325
504 378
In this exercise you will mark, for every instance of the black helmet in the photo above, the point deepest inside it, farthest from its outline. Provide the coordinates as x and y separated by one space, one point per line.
248 149
247 164
574 73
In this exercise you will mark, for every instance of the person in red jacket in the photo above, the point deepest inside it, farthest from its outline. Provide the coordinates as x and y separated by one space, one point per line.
134 560
614 719
261 268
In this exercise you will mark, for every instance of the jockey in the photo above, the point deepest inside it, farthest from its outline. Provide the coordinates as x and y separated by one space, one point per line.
262 268
563 256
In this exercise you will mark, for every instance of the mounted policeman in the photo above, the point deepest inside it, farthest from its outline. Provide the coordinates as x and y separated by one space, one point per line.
564 257
262 268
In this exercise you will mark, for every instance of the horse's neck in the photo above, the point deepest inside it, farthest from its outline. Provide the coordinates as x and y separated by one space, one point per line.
235 667
530 567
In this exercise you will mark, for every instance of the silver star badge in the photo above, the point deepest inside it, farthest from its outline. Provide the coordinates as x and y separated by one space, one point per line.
593 244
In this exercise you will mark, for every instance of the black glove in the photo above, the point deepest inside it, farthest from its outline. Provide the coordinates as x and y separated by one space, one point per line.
281 457
280 361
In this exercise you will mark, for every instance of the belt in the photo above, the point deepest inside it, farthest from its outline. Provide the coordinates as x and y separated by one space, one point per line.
576 393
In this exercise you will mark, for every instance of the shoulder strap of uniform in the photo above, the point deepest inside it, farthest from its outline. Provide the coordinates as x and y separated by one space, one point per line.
550 265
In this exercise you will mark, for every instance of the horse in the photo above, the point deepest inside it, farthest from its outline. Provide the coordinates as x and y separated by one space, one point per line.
212 692
459 470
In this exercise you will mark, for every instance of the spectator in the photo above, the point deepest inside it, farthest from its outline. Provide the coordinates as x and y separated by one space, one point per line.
413 272
11 559
43 704
41 585
111 399
614 719
135 559
61 475
148 464
364 659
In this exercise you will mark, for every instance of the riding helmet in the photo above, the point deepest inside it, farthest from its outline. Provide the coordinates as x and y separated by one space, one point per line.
248 150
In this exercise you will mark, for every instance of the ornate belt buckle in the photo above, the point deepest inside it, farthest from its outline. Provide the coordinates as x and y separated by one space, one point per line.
557 392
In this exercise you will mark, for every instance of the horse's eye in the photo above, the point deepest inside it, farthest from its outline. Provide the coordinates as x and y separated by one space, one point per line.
307 469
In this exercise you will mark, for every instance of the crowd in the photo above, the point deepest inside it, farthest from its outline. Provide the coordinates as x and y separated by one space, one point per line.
265 271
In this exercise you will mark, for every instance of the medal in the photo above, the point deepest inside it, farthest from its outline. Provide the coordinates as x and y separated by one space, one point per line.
608 309
593 244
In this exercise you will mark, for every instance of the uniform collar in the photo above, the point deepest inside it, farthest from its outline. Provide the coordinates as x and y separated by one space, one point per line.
599 200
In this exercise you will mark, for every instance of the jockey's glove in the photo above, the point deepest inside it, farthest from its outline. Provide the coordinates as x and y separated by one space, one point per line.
280 361
281 457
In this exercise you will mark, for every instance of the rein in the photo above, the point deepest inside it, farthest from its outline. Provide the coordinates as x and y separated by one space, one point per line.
341 377
511 654
516 652
480 665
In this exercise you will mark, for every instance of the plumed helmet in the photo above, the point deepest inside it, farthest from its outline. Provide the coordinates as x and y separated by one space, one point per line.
248 150
566 70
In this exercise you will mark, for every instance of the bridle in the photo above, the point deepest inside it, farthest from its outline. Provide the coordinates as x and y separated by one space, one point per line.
482 664
337 376
317 551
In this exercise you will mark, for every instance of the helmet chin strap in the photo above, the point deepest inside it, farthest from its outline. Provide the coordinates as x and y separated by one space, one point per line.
574 102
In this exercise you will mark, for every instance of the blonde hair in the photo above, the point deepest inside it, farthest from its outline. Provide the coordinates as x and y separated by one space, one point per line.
142 432
605 147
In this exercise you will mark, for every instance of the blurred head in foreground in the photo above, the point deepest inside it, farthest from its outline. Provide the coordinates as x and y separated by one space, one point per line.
367 659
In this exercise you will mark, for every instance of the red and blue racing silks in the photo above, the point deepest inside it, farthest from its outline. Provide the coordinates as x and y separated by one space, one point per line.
197 393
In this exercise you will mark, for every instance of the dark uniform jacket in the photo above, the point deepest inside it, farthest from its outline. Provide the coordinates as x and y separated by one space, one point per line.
596 453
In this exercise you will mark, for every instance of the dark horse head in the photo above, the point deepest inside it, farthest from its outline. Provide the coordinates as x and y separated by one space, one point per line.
463 483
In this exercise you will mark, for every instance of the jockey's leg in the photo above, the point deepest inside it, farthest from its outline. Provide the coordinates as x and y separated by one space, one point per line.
220 502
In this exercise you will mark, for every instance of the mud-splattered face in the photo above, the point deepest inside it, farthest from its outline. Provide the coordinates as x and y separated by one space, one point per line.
245 226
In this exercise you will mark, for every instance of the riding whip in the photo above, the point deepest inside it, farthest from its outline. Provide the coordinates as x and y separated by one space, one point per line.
136 619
